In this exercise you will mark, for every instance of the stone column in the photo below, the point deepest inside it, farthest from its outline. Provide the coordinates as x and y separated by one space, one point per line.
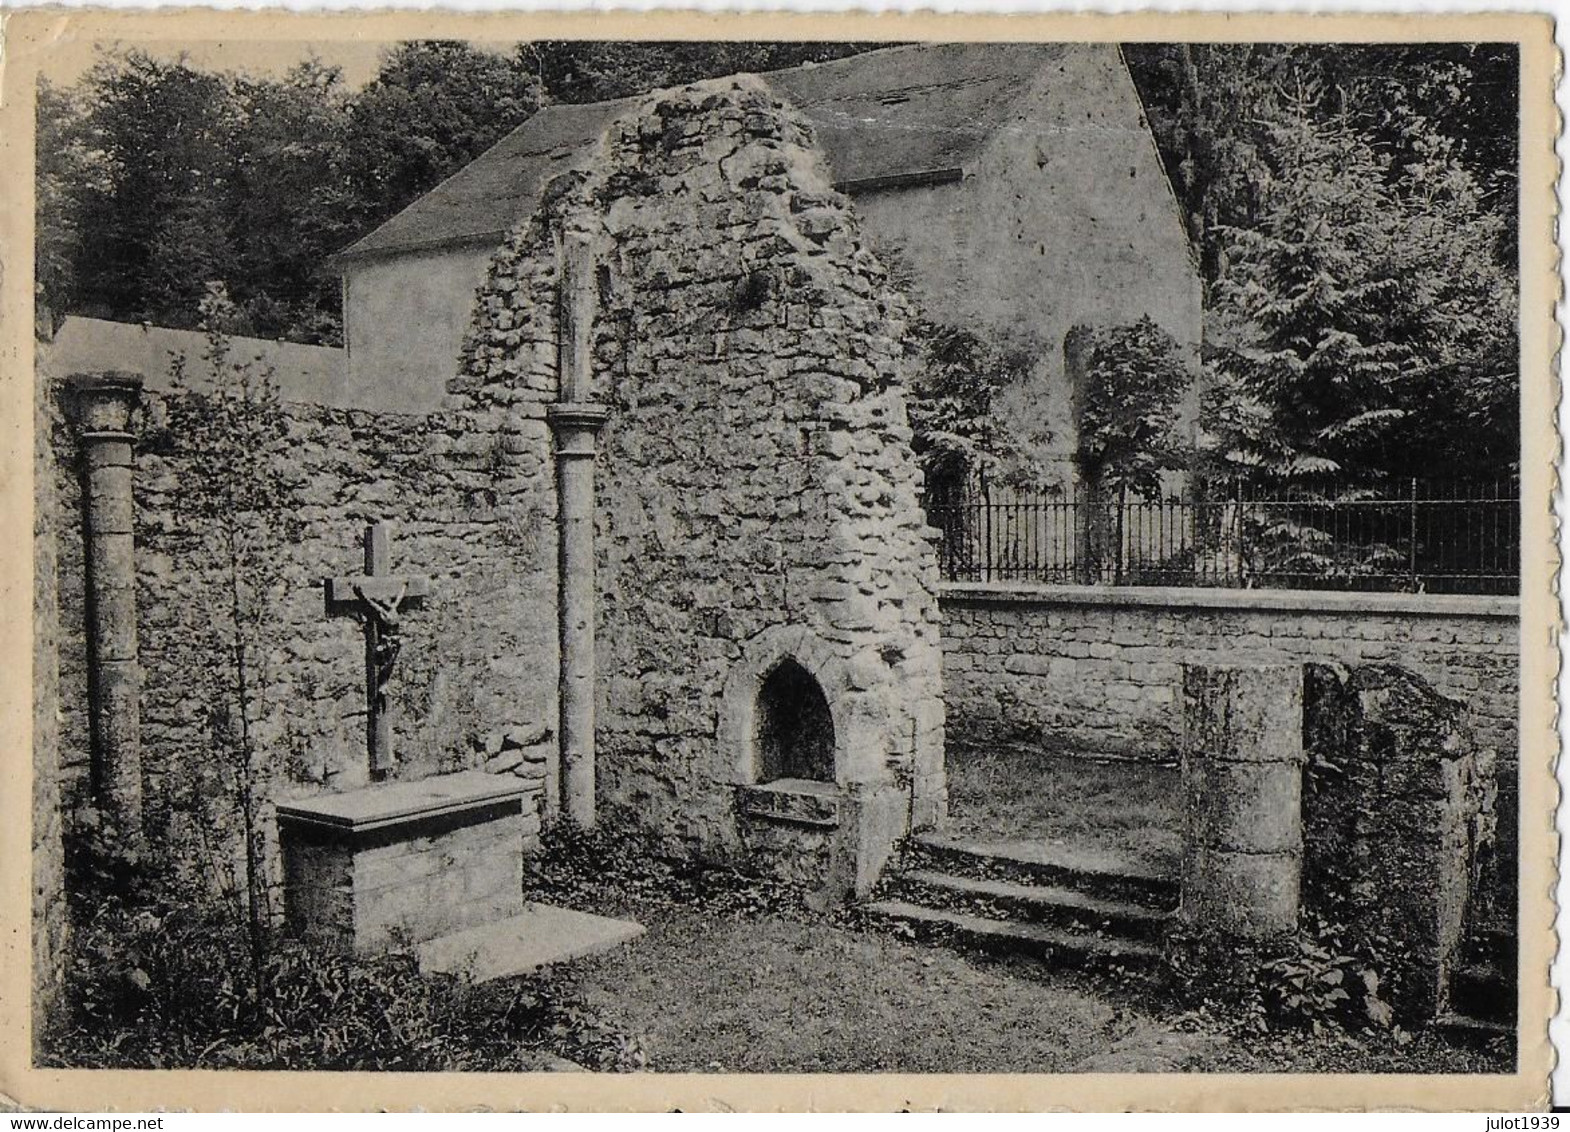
1242 782
576 422
576 425
104 403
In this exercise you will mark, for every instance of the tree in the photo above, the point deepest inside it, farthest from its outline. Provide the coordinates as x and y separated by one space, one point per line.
1211 109
290 205
236 513
434 106
1132 380
1364 291
952 406
68 169
164 131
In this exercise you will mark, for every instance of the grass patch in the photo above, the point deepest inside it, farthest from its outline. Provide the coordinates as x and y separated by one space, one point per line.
737 973
1131 809
777 995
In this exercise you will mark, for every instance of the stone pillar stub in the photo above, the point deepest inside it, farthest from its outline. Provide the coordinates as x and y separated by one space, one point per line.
1242 782
103 405
576 424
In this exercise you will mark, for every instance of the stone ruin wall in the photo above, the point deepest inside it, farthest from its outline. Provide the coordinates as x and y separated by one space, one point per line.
49 924
467 493
1101 672
756 470
1400 823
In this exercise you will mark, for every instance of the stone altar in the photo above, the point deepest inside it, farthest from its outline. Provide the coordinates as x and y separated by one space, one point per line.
405 862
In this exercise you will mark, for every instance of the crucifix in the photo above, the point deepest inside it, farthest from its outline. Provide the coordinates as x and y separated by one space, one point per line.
377 598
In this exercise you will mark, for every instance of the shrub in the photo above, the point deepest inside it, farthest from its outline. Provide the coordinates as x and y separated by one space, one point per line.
170 986
1317 982
1133 379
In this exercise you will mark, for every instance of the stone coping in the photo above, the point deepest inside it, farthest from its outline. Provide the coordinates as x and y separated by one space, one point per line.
1504 607
389 804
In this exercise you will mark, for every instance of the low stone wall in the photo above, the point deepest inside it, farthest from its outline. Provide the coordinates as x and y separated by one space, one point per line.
1099 670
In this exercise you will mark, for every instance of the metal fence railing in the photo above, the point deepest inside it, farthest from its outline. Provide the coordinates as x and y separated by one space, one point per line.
1415 536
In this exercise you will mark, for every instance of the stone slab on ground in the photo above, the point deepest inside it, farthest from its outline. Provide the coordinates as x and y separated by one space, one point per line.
538 936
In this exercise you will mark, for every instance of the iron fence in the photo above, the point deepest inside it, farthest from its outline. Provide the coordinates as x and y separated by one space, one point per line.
1419 536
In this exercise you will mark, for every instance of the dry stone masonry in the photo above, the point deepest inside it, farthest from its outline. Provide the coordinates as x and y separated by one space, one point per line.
756 478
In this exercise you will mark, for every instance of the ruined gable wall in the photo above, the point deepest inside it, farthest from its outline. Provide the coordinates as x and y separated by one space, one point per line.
1066 219
756 470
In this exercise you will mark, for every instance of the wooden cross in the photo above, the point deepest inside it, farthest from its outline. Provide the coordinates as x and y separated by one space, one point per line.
377 598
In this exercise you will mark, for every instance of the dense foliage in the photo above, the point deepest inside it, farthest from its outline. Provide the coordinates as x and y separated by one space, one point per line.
160 976
1353 209
953 405
184 177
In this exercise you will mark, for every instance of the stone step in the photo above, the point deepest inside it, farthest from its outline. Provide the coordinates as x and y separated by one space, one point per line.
1483 991
1101 874
1492 946
1463 1029
1032 903
1010 937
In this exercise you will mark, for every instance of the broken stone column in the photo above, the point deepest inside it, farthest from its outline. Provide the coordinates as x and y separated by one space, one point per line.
576 422
1398 810
1242 781
104 403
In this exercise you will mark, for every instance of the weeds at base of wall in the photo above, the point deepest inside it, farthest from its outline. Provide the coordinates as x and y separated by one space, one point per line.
619 865
1311 980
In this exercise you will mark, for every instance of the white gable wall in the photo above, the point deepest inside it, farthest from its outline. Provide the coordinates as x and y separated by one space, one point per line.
405 317
1066 219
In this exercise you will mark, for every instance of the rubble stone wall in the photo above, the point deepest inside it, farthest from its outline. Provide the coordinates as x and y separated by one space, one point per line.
1398 822
756 469
48 906
1100 670
467 495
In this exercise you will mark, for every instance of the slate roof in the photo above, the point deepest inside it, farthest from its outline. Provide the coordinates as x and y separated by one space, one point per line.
918 112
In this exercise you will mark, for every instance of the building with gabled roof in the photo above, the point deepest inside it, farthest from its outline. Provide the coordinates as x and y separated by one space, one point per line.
1014 189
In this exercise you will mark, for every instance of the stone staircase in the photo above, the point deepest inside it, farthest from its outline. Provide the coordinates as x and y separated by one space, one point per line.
1483 988
1029 899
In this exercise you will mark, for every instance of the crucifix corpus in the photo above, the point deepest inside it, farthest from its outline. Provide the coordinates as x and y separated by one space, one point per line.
378 598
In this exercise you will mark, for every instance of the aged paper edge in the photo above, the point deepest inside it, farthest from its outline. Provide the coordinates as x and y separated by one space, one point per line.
32 37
